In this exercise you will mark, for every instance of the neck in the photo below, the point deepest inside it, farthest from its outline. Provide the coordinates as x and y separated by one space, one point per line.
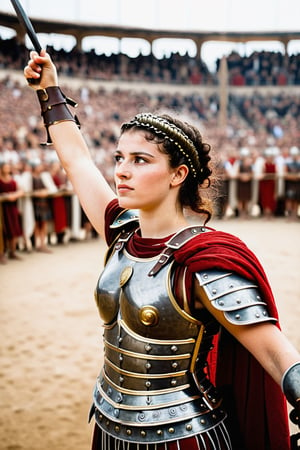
160 225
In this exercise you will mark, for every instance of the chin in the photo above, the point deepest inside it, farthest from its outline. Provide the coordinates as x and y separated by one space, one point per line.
125 203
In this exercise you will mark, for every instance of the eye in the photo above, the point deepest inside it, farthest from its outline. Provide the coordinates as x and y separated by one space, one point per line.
139 159
118 158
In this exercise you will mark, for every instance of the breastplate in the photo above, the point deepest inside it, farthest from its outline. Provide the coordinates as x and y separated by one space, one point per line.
152 387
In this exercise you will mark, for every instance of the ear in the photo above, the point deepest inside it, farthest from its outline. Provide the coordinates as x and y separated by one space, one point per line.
179 175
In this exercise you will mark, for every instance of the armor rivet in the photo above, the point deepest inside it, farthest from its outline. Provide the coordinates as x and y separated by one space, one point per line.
257 315
120 340
214 400
119 398
117 428
100 417
202 421
121 358
159 432
173 383
148 384
121 379
214 416
203 230
239 301
174 348
189 427
175 365
148 348
116 412
143 433
194 231
214 291
128 432
171 430
109 391
231 286
148 365
237 316
257 297
205 276
107 423
221 303
265 313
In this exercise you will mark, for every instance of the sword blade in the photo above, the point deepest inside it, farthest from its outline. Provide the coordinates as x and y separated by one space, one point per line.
27 25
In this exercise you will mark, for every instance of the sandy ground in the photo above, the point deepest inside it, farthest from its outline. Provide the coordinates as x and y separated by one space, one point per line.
51 333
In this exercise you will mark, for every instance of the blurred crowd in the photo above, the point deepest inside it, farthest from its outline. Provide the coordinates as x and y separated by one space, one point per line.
256 156
263 68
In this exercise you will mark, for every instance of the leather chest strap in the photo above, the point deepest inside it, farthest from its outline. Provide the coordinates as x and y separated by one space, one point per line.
177 241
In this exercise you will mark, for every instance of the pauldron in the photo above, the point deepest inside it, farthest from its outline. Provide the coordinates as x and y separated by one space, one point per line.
237 298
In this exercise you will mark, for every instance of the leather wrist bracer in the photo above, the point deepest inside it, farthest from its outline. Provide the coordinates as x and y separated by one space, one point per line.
54 108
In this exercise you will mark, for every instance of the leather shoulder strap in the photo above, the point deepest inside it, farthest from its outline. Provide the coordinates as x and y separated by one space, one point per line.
177 241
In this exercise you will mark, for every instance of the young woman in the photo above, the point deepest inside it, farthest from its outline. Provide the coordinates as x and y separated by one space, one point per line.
194 357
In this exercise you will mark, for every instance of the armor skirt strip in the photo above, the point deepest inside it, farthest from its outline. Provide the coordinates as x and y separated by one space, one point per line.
214 439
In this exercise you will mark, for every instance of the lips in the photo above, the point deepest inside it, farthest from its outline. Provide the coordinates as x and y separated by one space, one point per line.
124 188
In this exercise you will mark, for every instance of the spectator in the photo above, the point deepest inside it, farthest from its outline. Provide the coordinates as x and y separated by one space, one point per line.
292 184
41 206
10 193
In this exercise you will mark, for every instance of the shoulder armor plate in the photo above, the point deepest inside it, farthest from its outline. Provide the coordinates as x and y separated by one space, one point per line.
238 298
127 216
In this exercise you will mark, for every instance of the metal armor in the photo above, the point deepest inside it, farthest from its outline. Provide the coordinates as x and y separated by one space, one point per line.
153 386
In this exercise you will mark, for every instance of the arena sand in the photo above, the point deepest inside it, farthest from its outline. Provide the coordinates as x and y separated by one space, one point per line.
51 333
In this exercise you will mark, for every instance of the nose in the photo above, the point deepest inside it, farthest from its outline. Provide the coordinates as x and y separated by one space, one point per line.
121 171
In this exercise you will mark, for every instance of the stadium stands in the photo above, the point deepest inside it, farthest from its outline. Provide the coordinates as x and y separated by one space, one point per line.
259 142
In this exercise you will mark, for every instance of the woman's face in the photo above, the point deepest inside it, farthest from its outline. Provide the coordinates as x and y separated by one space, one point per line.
142 173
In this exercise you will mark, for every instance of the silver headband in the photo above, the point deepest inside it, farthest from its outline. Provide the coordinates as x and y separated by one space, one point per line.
159 125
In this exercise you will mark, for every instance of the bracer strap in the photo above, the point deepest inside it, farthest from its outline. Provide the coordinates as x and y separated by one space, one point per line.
54 108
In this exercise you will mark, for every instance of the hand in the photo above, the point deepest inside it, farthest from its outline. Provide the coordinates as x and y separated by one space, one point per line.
41 69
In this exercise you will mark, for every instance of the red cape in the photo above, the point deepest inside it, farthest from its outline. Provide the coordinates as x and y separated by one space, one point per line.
260 405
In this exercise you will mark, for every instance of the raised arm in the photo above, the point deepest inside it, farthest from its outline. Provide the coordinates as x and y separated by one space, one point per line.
93 191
